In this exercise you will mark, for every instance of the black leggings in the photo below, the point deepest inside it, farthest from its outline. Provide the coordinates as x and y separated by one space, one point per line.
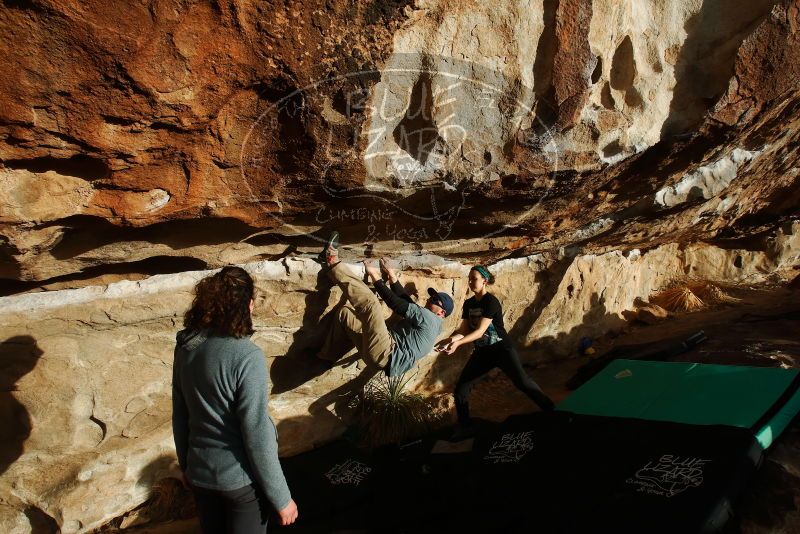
240 511
484 360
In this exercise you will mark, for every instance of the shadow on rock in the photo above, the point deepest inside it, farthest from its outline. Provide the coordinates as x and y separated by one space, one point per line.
300 364
168 498
18 356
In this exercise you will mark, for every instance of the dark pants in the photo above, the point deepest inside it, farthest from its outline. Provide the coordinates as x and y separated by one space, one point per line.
240 511
484 360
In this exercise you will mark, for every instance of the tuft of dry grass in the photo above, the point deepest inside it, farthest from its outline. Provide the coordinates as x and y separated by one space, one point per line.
692 295
677 299
710 292
166 498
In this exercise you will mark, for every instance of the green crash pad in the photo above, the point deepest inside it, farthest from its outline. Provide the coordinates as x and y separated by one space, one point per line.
762 399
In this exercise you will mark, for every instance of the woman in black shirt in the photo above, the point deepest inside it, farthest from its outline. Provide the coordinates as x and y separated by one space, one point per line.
482 325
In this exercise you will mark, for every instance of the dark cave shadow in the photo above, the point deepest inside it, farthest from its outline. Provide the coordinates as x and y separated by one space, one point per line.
322 421
18 357
300 364
342 396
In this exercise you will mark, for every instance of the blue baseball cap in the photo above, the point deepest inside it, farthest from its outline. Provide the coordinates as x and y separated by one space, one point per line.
443 300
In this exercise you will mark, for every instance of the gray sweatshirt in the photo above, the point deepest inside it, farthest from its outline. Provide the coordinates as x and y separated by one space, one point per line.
414 338
224 436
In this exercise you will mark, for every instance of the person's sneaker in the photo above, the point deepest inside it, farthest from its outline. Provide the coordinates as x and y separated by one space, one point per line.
329 251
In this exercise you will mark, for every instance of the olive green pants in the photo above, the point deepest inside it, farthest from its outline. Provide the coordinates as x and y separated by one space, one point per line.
358 323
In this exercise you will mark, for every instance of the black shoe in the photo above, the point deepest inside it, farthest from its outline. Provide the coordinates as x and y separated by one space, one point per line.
332 242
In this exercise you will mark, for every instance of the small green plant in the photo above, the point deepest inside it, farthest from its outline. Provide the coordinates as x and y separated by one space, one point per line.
388 413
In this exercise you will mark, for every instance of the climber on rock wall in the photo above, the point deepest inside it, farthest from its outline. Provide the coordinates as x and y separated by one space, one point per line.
359 322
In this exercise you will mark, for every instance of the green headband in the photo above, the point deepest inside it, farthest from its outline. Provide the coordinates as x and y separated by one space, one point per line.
483 271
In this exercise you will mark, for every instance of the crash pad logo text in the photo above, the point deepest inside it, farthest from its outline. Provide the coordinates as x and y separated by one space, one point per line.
669 475
351 472
511 447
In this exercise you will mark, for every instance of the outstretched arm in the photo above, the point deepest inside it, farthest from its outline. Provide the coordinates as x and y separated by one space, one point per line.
258 431
472 336
399 305
180 418
396 303
394 282
458 333
399 290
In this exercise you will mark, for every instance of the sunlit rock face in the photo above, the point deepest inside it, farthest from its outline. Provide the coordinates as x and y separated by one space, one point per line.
651 70
589 151
167 143
587 83
453 94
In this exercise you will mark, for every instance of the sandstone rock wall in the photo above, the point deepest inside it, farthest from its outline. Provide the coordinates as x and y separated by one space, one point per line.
609 79
88 371
169 132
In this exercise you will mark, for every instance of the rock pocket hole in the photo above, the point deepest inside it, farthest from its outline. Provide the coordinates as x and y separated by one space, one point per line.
598 70
623 67
417 133
296 144
612 149
633 99
606 98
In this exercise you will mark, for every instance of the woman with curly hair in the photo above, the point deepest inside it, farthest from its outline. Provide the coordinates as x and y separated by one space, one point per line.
225 440
482 325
